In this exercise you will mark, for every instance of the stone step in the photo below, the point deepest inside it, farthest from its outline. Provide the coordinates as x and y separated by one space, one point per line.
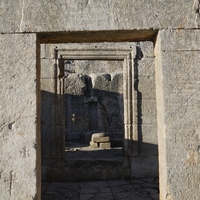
90 170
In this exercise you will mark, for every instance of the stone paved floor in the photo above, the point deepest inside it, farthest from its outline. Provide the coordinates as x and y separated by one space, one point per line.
137 189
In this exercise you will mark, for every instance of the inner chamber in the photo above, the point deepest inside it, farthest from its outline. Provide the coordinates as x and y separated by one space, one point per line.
93 91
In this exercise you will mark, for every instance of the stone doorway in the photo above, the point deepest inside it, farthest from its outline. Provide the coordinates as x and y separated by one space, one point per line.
93 100
87 94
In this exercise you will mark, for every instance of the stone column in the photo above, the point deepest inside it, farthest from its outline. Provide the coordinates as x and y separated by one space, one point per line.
178 91
19 124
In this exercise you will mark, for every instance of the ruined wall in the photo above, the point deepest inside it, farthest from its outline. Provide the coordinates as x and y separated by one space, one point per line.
102 81
176 64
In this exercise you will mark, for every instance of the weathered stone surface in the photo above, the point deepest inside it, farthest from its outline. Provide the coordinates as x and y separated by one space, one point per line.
149 134
100 139
47 71
148 114
104 145
140 189
177 78
93 144
19 144
180 40
146 67
98 135
74 84
177 86
33 16
48 85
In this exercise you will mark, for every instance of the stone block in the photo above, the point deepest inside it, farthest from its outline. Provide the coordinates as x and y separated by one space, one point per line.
104 145
74 84
128 46
48 85
146 67
148 112
180 40
147 87
98 135
42 51
177 78
93 144
34 16
101 139
149 133
19 144
146 48
117 83
47 68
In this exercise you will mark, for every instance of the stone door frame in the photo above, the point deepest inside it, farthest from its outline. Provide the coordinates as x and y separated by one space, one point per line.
129 93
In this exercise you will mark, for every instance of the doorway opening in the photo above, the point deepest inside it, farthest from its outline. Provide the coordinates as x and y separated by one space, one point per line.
76 103
93 100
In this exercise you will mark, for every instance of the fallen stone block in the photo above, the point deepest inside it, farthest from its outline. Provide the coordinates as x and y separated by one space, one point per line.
101 139
104 145
98 135
93 144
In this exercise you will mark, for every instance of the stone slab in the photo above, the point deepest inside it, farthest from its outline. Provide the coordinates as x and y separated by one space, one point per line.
179 40
98 135
93 144
19 144
140 189
100 139
104 145
33 16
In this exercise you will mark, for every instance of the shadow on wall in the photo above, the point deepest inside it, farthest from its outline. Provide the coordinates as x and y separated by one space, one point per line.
103 111
52 128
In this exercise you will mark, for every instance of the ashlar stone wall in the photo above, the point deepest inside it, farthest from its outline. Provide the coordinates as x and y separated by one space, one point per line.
106 92
19 124
177 80
177 88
